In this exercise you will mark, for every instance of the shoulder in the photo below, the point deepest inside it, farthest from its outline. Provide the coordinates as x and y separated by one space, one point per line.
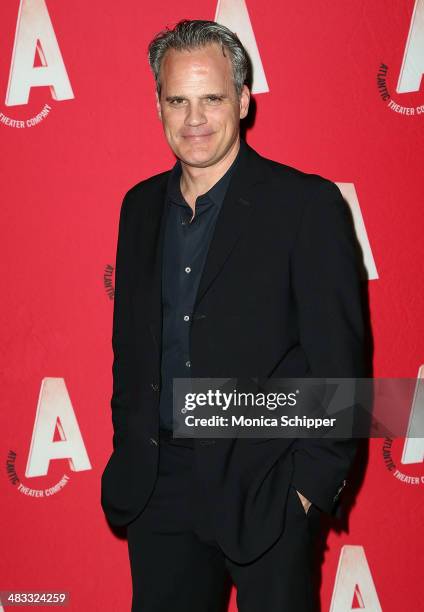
140 196
291 189
142 192
300 183
298 197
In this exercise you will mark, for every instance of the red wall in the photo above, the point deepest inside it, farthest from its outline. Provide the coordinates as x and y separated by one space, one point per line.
62 183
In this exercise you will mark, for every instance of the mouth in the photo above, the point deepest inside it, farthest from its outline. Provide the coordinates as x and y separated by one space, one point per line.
197 136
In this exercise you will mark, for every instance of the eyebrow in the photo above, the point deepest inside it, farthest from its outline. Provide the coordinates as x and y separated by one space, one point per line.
208 95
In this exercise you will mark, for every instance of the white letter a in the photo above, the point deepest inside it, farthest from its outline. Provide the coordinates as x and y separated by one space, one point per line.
34 32
412 68
55 412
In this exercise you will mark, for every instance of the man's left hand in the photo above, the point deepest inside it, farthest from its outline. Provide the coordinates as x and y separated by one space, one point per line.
305 501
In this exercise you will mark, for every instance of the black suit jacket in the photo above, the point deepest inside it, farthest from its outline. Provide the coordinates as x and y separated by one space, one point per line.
279 297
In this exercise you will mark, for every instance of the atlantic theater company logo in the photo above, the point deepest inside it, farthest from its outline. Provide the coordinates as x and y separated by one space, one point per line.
36 61
108 276
56 443
404 457
407 99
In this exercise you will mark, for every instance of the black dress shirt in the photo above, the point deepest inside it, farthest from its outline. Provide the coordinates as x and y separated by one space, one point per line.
186 245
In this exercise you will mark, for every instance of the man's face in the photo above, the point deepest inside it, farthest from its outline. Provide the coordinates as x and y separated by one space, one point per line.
198 106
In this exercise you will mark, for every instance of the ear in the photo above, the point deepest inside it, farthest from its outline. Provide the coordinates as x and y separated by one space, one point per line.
158 108
244 101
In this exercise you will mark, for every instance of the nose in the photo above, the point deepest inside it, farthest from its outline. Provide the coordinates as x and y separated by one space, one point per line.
195 115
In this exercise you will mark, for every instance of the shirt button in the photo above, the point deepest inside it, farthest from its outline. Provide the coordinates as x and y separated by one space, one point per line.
188 270
186 318
153 441
188 363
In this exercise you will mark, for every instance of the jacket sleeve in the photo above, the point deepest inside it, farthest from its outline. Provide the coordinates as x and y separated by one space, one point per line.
122 329
326 285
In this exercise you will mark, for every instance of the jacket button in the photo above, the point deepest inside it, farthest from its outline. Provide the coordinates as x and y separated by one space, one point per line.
153 441
154 386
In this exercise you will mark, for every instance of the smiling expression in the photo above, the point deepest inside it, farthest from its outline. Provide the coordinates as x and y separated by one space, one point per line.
198 106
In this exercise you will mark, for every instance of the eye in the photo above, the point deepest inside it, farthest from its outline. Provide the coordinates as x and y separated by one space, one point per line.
176 101
214 99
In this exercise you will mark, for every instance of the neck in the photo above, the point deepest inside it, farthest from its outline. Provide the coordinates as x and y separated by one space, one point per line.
196 181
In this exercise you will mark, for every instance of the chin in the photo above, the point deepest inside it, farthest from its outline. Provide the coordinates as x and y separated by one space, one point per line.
197 158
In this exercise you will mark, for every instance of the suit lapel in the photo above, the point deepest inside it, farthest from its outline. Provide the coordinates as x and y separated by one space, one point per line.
236 211
233 219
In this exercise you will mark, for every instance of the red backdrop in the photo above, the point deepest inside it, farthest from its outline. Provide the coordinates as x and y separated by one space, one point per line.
62 184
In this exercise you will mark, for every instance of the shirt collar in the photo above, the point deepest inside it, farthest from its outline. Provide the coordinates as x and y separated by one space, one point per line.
215 194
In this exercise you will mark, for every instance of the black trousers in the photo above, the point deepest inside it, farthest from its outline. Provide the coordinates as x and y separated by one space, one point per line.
176 564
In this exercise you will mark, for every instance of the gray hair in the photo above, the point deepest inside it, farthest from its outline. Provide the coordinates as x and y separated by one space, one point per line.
191 34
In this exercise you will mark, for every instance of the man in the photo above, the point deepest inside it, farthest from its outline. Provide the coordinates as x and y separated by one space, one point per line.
229 265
